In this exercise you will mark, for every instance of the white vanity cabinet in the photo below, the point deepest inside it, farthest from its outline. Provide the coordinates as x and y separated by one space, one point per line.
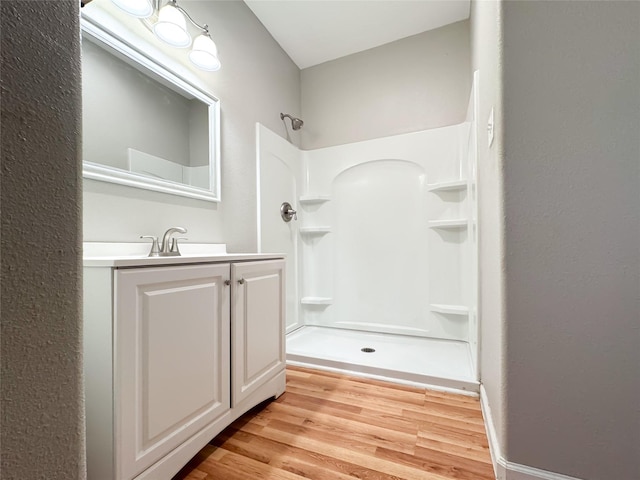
258 349
174 354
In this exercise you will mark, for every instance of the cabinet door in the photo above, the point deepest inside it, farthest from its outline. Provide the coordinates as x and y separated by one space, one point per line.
171 359
257 325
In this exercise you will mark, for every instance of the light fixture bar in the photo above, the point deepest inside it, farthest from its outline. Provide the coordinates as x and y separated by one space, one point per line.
204 27
171 28
204 53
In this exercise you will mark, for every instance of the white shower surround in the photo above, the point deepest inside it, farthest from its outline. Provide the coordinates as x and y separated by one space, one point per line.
386 237
379 262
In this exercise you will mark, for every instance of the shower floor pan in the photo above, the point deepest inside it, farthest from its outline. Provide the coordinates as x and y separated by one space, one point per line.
435 363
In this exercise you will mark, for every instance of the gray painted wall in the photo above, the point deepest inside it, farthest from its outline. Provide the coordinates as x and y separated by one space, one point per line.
257 82
572 236
413 84
486 32
42 409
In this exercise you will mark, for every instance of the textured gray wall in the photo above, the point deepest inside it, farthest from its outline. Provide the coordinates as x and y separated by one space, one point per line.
486 47
257 82
42 410
572 207
409 85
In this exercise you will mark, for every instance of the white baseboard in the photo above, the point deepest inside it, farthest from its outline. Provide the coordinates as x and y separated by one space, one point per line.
499 463
504 469
516 471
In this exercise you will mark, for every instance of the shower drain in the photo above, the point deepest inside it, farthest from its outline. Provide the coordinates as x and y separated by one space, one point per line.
368 350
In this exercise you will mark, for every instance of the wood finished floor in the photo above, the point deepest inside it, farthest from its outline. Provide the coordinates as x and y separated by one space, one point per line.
332 427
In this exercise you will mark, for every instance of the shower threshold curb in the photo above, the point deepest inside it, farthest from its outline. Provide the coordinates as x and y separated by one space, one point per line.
432 382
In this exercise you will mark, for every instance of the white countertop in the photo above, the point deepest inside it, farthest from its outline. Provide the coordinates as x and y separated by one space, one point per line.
105 254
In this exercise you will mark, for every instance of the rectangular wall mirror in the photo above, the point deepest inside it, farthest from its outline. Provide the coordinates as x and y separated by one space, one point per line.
143 126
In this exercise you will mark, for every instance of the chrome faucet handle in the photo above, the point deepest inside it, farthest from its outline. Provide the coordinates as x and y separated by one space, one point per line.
154 245
174 245
287 212
165 247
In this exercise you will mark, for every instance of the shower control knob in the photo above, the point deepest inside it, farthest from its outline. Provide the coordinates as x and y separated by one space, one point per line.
287 212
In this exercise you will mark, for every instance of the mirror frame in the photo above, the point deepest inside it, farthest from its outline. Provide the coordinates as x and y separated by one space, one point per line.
150 67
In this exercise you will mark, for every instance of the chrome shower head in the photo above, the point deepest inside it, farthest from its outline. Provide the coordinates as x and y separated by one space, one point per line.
296 123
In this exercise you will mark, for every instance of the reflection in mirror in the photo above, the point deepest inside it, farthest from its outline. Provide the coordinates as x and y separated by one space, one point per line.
142 125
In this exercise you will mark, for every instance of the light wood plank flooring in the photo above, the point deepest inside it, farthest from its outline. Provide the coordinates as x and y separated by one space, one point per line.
331 427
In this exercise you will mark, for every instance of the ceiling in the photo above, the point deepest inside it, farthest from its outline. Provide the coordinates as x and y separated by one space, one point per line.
316 31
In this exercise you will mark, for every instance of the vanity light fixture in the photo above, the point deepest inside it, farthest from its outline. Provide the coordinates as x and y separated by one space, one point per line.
204 53
171 28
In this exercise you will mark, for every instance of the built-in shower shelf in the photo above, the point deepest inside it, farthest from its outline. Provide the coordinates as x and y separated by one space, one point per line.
448 224
451 186
313 199
314 230
449 309
316 301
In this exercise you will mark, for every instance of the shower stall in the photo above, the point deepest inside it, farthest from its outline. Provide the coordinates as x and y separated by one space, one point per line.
381 244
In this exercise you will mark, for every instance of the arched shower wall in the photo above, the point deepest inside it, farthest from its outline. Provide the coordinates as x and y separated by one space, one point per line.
371 259
379 237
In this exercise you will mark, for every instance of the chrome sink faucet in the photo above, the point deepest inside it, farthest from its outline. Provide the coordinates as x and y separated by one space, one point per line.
169 245
169 248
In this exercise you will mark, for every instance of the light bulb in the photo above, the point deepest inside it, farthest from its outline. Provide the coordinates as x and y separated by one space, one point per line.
137 8
171 27
204 54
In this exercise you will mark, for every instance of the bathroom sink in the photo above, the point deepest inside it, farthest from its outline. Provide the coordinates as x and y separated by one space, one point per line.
130 254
